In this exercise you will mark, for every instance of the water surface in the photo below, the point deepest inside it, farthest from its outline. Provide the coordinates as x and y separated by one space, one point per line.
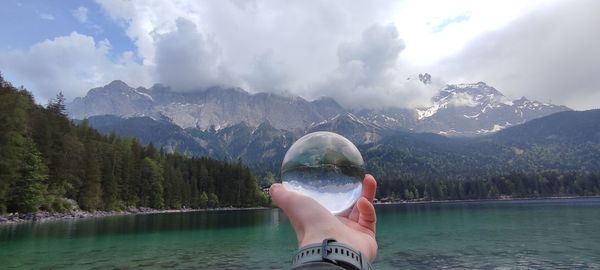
548 234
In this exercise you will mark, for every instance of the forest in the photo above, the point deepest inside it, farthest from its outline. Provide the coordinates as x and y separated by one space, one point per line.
512 185
49 163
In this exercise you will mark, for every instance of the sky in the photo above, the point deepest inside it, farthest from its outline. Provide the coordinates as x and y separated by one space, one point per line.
364 54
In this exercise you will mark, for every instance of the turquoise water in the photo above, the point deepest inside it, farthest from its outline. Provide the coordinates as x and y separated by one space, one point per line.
550 234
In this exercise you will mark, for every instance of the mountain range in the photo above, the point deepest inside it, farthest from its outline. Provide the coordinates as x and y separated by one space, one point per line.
470 129
461 109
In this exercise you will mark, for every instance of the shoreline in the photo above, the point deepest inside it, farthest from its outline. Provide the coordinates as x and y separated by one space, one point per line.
507 199
44 216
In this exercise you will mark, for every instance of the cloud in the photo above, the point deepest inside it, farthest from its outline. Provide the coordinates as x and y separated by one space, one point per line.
307 49
462 99
81 14
46 16
72 64
551 55
186 60
369 75
261 46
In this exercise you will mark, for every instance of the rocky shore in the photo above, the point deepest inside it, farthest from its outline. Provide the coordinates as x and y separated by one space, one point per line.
43 216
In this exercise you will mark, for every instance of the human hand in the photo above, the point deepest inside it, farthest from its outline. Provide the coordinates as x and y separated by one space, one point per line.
313 223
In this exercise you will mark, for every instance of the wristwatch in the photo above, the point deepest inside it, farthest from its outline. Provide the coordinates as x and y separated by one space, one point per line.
333 252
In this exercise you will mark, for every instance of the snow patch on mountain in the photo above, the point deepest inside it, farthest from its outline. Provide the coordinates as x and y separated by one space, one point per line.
495 128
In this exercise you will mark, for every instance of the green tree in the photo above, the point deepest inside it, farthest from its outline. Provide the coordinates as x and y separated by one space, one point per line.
91 191
152 194
203 202
27 193
213 200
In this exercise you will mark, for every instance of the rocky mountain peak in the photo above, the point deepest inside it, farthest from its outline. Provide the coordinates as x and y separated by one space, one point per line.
425 78
457 109
117 84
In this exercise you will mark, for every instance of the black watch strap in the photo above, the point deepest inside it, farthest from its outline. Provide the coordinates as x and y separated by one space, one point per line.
334 252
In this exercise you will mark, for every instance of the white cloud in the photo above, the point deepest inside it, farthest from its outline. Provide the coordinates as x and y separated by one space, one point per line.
81 14
46 16
186 60
462 99
551 55
295 47
369 75
72 64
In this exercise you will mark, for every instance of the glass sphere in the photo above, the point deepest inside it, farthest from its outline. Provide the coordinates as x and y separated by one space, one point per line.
326 167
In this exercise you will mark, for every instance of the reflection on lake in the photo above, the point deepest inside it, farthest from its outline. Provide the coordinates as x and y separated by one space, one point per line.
546 234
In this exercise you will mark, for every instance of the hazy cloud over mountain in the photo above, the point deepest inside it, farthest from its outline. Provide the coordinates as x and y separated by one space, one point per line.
186 60
360 53
552 54
369 74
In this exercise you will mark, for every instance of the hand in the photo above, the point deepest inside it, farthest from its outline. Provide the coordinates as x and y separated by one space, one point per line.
313 223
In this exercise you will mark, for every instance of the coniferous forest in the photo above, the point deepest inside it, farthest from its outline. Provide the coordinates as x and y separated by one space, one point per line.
49 163
512 185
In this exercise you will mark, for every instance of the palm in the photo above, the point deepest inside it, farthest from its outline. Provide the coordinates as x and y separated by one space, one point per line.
313 223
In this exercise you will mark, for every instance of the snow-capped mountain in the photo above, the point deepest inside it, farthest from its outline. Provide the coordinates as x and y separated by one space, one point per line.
461 109
471 109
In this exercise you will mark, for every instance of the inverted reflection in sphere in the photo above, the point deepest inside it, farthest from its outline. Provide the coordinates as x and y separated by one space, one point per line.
326 167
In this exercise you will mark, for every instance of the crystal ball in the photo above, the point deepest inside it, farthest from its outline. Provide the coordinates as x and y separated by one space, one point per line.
326 167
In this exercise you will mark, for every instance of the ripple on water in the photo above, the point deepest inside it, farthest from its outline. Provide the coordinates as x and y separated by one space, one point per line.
521 259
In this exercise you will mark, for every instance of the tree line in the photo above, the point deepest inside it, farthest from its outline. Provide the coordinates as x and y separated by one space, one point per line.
513 185
49 163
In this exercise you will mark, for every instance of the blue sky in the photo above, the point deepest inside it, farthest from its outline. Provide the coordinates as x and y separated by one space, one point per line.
29 22
357 52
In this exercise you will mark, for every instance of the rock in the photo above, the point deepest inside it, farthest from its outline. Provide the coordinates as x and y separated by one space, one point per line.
40 216
3 219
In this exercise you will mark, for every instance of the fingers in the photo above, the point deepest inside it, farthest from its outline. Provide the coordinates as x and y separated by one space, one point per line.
369 187
366 214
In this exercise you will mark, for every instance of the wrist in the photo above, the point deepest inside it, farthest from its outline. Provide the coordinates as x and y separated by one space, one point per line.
333 252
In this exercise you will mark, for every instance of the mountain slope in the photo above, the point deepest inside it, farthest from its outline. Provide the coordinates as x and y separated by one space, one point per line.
161 133
261 148
565 141
350 126
567 127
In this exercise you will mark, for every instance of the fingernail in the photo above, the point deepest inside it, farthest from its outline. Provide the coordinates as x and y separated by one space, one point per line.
273 189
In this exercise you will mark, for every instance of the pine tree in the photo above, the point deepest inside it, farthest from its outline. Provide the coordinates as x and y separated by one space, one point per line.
213 200
203 202
27 193
152 195
91 193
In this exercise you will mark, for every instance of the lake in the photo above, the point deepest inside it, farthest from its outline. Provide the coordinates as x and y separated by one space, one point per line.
529 234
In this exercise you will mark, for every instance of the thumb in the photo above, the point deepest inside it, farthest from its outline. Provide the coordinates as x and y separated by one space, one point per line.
366 216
